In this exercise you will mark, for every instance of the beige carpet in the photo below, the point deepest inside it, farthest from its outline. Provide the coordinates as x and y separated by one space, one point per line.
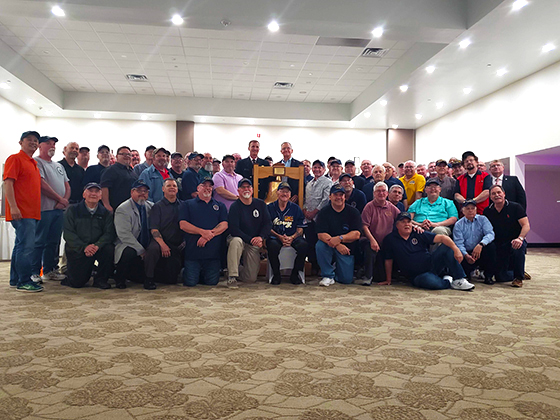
260 352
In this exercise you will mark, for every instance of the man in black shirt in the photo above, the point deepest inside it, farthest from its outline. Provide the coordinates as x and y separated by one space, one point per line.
338 228
511 225
249 225
117 179
164 251
74 172
93 173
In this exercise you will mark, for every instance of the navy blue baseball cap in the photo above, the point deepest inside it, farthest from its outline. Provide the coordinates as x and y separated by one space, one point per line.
139 184
337 188
30 133
404 215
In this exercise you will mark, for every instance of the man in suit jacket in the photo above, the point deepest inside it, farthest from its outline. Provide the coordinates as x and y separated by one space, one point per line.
511 185
133 237
289 162
244 167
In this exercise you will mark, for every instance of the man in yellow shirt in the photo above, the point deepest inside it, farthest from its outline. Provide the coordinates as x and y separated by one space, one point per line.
413 183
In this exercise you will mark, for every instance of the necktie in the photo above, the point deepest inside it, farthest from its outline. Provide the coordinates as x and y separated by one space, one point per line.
254 161
144 232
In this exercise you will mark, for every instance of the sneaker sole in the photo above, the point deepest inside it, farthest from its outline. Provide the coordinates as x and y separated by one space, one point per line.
29 291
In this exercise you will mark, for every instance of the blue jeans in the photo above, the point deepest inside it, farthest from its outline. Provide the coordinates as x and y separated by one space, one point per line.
47 241
344 272
210 272
443 262
22 254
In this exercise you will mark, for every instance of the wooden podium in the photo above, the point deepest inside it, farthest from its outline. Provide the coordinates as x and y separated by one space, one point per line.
278 170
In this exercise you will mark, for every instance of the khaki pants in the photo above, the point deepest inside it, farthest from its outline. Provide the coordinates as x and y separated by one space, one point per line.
251 260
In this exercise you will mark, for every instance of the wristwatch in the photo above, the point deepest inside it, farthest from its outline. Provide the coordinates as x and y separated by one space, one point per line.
521 238
341 238
481 244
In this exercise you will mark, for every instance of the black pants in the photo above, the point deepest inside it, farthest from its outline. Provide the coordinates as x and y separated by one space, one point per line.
311 238
80 267
486 262
374 261
130 266
164 270
274 246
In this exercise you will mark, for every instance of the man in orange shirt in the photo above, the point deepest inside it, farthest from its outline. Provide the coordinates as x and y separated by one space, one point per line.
22 185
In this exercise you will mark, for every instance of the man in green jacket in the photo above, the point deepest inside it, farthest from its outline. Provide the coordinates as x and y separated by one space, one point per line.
89 233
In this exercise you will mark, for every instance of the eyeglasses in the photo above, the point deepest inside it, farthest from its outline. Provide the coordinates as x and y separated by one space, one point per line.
125 154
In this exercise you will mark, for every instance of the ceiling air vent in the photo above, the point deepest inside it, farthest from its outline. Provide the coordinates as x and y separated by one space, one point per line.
137 77
283 85
374 52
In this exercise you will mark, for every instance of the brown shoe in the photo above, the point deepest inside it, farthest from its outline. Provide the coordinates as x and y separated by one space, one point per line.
517 283
526 276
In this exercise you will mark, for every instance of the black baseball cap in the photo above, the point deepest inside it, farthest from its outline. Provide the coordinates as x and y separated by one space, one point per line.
29 133
103 147
243 181
284 185
161 149
176 155
83 149
195 155
337 188
440 161
432 181
228 157
404 215
92 185
336 161
344 175
44 139
318 162
150 147
139 184
207 179
469 203
350 162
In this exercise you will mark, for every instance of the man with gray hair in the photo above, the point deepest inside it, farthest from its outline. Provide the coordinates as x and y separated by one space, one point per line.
395 196
413 182
74 171
378 174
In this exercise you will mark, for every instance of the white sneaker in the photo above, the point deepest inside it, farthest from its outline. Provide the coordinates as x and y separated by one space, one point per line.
53 276
326 282
35 278
461 284
448 278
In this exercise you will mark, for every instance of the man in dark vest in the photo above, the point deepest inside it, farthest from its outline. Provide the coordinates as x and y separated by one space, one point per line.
473 184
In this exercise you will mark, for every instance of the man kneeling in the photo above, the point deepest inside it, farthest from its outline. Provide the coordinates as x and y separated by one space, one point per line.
89 234
287 230
411 252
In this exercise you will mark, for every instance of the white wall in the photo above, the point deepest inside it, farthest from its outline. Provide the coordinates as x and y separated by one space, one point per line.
308 143
13 121
519 118
113 133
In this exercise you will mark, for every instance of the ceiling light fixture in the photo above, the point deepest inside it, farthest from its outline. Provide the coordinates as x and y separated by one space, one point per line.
273 26
418 116
30 102
177 20
377 32
403 88
144 117
4 86
430 69
467 90
519 4
97 115
367 114
465 43
395 126
439 105
548 47
57 11
383 102
501 72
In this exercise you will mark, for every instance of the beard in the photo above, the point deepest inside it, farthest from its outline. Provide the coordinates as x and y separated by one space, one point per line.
51 152
208 167
246 194
141 202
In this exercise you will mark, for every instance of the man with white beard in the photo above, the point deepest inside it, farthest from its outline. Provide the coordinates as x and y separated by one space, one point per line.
249 225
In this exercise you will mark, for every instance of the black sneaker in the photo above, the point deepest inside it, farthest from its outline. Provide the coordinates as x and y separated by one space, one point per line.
276 279
101 284
150 285
120 285
489 281
294 278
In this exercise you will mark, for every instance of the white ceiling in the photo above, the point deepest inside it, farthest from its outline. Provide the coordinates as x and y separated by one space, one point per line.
205 71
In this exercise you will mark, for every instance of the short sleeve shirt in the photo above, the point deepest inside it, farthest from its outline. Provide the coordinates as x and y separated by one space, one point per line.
413 185
338 223
379 219
27 185
288 221
118 179
506 222
412 254
438 211
229 182
54 175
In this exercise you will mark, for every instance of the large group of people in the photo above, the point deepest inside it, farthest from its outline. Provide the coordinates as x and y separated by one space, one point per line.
194 219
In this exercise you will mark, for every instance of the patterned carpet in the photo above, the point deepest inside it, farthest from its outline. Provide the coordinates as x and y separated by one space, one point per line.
262 352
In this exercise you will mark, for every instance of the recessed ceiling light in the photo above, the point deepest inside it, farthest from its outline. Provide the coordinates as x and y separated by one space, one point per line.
177 20
30 101
395 126
97 115
273 26
430 69
359 69
466 91
144 117
548 47
418 116
49 113
292 65
439 105
383 102
377 32
519 4
465 43
4 86
367 114
403 88
303 92
311 74
57 11
123 56
501 72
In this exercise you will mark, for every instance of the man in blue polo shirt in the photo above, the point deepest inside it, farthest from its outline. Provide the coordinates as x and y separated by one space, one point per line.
287 230
204 220
434 213
411 252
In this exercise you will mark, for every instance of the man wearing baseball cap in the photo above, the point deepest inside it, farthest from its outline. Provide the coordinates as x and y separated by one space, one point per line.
338 228
89 234
446 182
156 173
93 172
440 269
190 180
249 225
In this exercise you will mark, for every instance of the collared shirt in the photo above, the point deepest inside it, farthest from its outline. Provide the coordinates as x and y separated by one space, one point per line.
229 182
164 217
93 174
317 193
438 211
379 219
24 171
415 184
287 221
498 180
447 187
141 167
189 183
506 222
357 200
204 216
287 164
467 234
75 176
412 254
118 178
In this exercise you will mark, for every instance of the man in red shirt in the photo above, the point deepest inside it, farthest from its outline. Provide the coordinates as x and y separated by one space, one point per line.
473 184
22 185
